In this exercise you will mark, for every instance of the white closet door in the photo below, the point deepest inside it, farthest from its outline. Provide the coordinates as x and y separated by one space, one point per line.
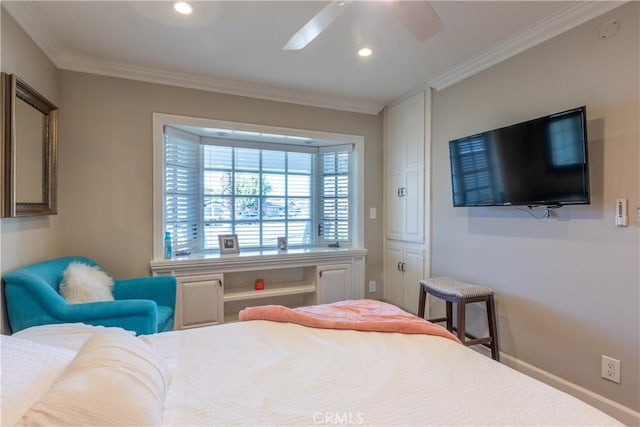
413 272
395 206
413 124
393 276
413 199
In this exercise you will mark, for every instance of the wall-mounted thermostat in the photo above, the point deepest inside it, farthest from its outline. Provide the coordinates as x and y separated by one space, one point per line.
622 218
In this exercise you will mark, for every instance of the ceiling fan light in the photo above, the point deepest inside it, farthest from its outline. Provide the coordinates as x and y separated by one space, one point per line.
365 51
183 7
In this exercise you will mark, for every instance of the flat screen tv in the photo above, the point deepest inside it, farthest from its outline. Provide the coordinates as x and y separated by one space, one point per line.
540 162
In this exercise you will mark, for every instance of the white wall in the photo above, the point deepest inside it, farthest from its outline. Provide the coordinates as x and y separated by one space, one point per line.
567 288
26 240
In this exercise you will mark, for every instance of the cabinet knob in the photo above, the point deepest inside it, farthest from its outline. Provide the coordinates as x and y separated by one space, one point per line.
403 266
402 191
399 266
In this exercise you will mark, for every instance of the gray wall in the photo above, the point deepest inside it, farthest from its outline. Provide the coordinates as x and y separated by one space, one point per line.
567 287
26 240
106 161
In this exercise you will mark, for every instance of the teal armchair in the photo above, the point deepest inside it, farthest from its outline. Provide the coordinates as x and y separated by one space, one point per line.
145 305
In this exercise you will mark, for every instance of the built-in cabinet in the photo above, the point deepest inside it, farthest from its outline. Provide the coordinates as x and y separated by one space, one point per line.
404 268
334 282
406 168
198 292
214 289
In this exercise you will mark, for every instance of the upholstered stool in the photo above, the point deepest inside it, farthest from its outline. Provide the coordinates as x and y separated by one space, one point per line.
461 293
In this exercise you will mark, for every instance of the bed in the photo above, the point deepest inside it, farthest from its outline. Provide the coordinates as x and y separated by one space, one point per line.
263 372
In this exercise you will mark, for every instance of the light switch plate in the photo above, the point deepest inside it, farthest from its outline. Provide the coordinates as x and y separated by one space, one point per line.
372 285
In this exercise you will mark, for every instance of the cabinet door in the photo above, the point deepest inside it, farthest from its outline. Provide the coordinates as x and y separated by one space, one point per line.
405 165
413 201
334 283
393 276
395 206
413 213
413 266
200 300
394 139
414 123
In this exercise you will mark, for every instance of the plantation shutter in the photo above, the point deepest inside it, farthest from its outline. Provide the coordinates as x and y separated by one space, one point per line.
335 208
259 192
182 193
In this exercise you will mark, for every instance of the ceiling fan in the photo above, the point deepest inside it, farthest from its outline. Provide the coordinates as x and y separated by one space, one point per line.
417 16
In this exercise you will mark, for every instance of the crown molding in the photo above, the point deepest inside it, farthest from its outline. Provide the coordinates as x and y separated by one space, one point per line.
212 84
549 27
37 28
565 19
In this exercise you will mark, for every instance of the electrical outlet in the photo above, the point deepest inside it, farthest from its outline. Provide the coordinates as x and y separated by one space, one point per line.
372 285
610 369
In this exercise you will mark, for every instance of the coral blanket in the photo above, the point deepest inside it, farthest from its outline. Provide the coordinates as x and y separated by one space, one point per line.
358 315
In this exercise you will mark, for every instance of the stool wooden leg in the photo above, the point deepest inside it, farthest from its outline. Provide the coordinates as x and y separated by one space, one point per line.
422 301
461 319
493 333
449 316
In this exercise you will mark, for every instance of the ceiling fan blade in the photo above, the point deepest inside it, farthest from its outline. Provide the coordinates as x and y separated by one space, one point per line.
317 25
419 18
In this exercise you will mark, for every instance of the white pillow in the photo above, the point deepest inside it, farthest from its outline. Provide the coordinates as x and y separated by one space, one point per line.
85 283
115 380
71 336
28 370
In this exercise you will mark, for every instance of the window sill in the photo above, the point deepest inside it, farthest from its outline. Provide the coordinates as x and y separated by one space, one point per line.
256 259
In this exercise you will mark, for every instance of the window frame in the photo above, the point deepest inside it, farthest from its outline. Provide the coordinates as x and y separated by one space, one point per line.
161 119
263 147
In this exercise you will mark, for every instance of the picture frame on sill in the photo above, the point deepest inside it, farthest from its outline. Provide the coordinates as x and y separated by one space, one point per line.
282 243
228 243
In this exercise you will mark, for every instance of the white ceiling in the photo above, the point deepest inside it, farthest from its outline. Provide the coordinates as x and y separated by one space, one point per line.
236 46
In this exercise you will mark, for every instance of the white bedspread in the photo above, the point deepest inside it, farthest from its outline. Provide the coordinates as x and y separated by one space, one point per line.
265 373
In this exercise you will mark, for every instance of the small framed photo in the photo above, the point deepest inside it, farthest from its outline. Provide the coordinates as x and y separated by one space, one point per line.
228 243
282 243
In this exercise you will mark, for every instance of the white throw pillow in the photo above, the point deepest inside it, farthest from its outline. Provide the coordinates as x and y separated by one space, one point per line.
85 283
115 380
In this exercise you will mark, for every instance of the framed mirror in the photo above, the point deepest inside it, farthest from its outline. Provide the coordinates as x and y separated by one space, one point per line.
29 152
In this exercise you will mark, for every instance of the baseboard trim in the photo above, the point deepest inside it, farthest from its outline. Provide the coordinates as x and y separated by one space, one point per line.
618 411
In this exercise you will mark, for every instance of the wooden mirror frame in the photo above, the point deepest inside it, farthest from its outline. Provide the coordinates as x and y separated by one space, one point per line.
10 206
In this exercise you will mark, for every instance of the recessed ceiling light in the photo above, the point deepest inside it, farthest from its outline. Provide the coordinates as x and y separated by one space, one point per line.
183 7
365 51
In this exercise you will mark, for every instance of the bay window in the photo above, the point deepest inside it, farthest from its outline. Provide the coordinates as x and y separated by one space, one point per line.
260 186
